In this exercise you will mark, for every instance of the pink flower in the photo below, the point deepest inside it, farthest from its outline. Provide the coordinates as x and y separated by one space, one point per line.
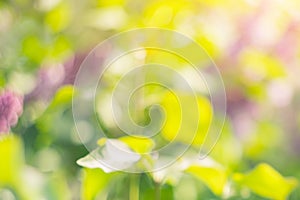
50 79
11 107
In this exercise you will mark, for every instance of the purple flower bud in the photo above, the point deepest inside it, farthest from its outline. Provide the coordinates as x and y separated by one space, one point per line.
11 107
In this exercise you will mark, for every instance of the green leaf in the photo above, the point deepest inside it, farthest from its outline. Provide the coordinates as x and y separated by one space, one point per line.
139 145
58 18
33 48
188 118
62 97
58 113
261 65
12 167
94 182
267 182
215 177
150 190
60 48
11 159
57 187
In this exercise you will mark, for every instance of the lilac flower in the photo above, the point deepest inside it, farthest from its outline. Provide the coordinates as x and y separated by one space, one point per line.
71 68
11 107
248 29
242 112
48 81
51 78
286 49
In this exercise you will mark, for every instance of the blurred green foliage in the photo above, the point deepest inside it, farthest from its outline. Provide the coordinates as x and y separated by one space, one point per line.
254 43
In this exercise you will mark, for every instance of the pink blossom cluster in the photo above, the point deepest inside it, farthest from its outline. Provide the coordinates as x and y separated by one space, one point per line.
11 107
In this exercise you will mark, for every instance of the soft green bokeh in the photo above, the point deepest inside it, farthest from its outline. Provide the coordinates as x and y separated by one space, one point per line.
256 47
